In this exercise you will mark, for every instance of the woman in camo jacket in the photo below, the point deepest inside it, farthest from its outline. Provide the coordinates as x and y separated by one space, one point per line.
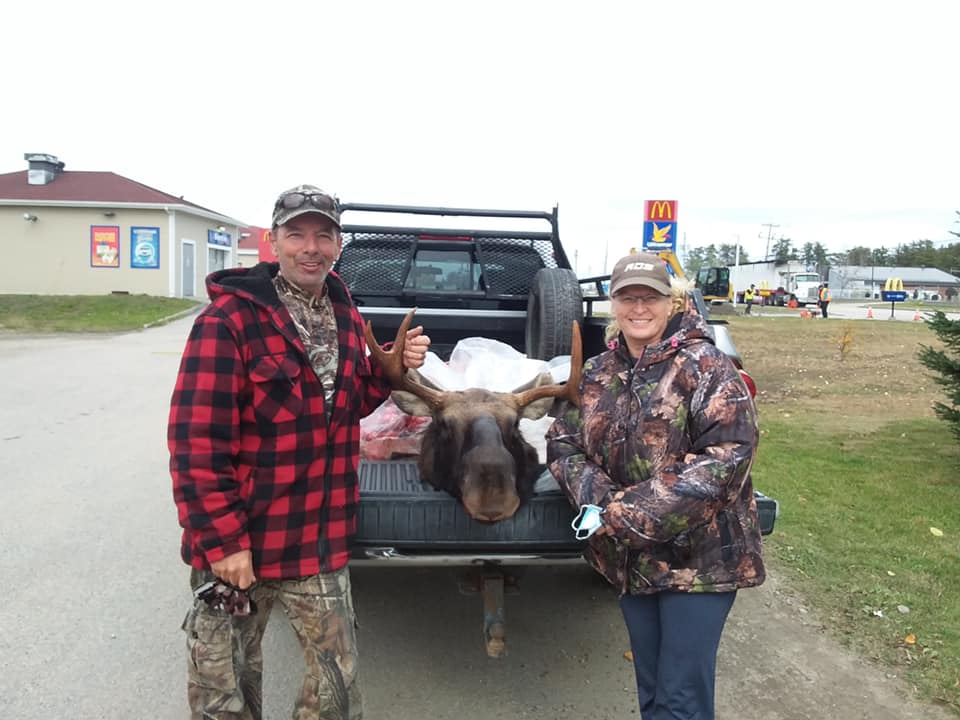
662 444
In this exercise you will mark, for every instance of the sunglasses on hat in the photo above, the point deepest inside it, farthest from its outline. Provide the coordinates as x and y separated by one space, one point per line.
296 200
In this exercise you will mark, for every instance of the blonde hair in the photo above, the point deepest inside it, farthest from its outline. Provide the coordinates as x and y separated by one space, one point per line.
678 301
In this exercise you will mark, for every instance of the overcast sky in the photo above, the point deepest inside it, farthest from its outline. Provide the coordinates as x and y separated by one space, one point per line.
834 120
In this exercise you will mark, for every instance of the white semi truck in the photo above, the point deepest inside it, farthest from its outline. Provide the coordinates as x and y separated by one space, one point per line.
776 283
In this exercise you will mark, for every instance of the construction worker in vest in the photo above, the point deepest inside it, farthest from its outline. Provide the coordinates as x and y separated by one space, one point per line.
824 299
748 298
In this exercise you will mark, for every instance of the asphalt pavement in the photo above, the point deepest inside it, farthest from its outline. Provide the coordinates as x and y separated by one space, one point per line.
94 589
862 310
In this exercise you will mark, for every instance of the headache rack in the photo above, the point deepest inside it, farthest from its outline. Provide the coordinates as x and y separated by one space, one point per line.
392 261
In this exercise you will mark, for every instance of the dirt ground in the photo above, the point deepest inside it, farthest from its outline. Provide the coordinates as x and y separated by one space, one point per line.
803 672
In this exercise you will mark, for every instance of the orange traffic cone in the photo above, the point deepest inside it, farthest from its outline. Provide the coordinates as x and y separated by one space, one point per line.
804 313
916 316
869 313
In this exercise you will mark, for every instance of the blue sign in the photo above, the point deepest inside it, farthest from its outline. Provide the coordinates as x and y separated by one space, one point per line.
659 236
216 237
893 295
145 247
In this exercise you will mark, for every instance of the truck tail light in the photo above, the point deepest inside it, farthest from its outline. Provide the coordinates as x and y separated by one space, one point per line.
751 385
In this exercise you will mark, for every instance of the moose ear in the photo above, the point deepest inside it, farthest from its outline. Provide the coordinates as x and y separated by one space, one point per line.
538 408
411 404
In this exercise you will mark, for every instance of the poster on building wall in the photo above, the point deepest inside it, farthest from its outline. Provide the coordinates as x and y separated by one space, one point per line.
145 247
219 238
105 246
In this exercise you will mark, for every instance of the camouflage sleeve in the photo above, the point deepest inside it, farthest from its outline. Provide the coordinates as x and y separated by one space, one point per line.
723 433
582 480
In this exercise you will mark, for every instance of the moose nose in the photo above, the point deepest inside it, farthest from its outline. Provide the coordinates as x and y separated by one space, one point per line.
490 516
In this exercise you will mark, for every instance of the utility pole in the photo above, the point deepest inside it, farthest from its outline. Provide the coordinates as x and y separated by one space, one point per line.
769 227
736 272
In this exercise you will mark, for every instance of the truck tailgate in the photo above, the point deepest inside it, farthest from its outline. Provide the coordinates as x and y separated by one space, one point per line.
397 509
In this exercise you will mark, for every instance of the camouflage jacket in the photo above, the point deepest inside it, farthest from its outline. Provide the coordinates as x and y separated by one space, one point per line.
665 443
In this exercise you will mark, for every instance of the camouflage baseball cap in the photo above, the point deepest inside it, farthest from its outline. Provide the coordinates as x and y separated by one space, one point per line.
304 199
645 269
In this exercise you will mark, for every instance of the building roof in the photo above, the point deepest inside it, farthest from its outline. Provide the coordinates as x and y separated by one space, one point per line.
880 273
82 187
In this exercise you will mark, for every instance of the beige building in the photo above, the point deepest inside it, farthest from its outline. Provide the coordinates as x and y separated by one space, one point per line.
91 233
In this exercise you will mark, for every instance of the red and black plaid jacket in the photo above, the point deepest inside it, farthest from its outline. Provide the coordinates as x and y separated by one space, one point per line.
255 463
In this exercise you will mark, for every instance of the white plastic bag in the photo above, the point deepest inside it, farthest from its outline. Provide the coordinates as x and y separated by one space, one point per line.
474 363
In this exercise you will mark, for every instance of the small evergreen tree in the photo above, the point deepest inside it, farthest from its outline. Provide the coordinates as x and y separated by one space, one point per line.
946 363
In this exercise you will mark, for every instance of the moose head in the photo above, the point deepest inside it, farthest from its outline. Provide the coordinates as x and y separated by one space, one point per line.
473 449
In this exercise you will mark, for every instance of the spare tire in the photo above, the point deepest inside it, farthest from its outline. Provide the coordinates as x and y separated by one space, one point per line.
554 303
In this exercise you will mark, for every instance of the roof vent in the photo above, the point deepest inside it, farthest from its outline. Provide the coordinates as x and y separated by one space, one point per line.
43 168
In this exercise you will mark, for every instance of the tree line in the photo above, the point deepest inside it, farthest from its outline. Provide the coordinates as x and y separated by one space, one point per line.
919 253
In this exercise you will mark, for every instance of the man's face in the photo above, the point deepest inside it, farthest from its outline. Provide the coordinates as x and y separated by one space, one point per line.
307 248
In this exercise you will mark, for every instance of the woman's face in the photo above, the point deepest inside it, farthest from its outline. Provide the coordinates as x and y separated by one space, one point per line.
642 314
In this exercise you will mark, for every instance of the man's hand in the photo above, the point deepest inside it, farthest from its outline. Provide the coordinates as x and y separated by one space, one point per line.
236 569
415 348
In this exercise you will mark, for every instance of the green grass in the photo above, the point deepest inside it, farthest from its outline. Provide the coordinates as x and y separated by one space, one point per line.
85 313
863 470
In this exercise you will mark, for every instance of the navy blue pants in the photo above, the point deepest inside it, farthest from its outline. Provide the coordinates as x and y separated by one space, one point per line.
674 638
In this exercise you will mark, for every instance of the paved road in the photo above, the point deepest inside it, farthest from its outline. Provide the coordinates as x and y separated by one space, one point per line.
858 310
94 590
847 309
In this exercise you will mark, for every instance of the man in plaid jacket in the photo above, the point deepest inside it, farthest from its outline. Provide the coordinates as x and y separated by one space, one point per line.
264 438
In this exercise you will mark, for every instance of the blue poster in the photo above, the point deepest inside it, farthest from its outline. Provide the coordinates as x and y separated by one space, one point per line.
145 247
659 236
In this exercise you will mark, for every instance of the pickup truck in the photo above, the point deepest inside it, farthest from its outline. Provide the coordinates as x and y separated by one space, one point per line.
512 285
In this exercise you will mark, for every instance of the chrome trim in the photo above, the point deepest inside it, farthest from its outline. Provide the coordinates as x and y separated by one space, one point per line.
441 312
380 555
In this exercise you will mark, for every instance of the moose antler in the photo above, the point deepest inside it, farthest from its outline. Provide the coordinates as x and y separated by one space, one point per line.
571 389
392 363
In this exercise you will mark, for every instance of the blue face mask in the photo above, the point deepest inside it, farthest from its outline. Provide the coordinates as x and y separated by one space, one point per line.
587 521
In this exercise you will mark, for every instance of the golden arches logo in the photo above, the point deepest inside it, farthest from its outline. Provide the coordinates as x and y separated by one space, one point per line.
893 285
660 210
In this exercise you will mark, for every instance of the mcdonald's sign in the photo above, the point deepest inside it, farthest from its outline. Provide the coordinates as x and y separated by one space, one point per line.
265 246
661 211
893 291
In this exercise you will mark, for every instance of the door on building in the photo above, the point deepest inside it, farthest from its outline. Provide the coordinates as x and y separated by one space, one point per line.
188 267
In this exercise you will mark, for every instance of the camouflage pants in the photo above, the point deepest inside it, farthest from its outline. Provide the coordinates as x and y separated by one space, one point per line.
225 663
